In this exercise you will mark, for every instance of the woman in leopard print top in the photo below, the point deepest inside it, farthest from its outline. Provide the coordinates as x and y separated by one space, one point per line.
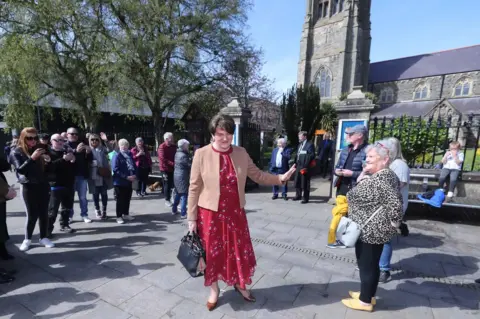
378 187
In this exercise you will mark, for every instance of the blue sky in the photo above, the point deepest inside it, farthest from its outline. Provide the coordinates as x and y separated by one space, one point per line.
399 28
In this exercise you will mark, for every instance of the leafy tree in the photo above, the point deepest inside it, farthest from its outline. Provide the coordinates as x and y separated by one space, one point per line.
308 106
290 118
68 42
328 117
168 50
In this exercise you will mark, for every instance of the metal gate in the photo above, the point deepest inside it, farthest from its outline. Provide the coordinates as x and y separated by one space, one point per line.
250 140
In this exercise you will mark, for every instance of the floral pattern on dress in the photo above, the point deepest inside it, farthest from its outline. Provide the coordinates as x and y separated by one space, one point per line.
225 235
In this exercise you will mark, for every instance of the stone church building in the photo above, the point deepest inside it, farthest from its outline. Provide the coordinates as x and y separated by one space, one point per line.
335 55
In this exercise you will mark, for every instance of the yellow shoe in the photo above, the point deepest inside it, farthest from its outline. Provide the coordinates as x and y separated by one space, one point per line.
356 295
357 305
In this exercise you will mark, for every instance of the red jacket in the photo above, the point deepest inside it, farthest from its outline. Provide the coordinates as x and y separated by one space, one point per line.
166 157
137 159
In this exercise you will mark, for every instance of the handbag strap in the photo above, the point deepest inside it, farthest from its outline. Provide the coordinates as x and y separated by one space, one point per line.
371 217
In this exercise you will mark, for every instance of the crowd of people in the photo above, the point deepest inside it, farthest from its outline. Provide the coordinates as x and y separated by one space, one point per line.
210 190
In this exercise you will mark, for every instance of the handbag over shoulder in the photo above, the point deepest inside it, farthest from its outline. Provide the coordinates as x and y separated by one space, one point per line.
348 231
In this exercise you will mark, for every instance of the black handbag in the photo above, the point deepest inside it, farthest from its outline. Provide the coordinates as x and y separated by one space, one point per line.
190 253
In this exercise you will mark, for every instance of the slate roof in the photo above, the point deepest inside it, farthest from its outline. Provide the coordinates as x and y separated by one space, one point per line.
466 105
444 62
417 108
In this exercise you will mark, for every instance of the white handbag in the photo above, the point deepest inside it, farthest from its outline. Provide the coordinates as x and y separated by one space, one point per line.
348 231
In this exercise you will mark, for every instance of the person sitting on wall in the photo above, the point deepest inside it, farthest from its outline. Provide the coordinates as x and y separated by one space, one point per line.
452 166
279 165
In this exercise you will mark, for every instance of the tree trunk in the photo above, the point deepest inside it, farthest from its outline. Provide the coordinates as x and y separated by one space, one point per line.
158 126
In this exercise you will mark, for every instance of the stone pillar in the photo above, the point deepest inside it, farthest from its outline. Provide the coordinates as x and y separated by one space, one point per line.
355 107
241 115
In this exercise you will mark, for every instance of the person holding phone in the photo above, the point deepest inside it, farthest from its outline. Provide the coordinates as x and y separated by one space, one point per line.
31 163
83 159
452 166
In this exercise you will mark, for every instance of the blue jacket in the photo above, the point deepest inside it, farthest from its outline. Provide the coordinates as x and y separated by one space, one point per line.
120 169
357 165
286 154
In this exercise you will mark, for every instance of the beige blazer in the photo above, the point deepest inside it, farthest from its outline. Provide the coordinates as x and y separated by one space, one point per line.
204 190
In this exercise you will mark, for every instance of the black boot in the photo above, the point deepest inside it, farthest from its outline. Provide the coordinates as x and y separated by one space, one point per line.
4 253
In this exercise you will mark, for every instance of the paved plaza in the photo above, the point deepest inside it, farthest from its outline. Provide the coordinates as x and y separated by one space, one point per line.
107 270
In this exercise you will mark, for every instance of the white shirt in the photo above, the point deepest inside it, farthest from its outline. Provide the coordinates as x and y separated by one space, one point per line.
451 164
278 159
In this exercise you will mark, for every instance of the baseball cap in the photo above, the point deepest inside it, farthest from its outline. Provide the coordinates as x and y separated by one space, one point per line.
357 129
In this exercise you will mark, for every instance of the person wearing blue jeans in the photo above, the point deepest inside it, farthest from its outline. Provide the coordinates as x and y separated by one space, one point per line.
401 169
181 177
83 159
182 200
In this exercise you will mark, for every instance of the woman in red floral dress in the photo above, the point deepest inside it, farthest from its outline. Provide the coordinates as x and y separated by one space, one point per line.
216 204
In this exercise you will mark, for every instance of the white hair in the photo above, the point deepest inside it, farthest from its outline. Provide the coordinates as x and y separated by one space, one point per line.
383 148
138 139
182 142
123 142
395 149
167 135
282 140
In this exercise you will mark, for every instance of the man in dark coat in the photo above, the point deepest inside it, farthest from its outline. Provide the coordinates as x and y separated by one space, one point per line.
181 177
350 161
325 154
6 193
304 161
279 165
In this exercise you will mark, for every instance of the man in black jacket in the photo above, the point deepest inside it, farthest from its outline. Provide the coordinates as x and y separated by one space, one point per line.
305 156
83 159
62 179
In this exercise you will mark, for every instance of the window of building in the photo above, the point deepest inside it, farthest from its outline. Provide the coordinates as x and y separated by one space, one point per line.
334 7
340 5
324 82
421 92
386 95
462 88
325 9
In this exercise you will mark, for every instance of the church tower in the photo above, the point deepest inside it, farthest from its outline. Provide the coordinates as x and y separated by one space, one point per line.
335 46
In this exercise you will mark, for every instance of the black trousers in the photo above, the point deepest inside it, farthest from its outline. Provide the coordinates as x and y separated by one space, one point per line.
167 185
368 258
3 223
36 198
124 195
142 175
304 186
325 168
63 197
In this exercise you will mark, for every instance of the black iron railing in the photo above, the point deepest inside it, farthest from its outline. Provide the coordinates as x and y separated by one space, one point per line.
425 141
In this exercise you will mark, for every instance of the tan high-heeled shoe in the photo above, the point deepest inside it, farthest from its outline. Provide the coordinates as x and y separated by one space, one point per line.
212 305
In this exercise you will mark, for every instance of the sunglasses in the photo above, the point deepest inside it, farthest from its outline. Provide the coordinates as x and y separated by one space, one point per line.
58 141
349 133
95 140
382 146
74 134
31 138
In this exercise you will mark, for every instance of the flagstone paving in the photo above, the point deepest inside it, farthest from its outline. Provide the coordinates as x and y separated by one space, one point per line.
106 270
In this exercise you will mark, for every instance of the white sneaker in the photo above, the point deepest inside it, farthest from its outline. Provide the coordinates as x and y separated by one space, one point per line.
128 217
450 194
47 243
98 214
120 220
168 204
25 245
87 220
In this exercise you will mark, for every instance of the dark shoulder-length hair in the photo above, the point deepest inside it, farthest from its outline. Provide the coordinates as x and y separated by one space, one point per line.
222 121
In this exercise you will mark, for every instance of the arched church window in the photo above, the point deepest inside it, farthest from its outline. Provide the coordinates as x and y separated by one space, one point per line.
462 87
324 82
334 8
340 5
386 95
421 92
